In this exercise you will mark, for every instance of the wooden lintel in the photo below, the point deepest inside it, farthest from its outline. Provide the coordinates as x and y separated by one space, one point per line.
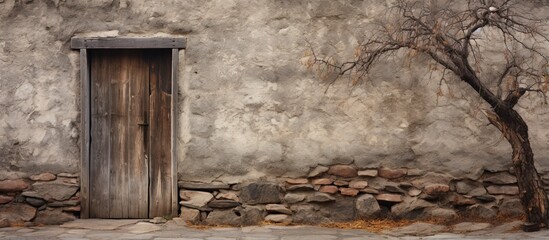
128 43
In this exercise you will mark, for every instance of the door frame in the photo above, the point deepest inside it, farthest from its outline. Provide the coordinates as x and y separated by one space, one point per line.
83 44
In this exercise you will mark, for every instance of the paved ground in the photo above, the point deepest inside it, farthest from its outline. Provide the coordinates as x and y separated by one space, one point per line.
131 229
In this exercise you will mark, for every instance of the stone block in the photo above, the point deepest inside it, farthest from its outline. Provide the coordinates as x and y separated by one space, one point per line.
297 181
480 211
260 193
300 187
504 190
368 173
343 171
222 203
294 197
441 213
328 189
251 215
500 178
465 186
320 197
55 190
190 215
391 173
223 217
202 186
13 185
5 199
195 199
278 218
479 191
409 206
43 177
348 191
322 181
278 208
436 189
53 217
511 207
228 196
17 212
341 183
387 197
318 171
367 206
414 192
358 184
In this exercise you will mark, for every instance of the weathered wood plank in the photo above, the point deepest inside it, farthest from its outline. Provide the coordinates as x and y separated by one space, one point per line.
121 66
173 140
160 123
127 43
100 135
138 132
84 135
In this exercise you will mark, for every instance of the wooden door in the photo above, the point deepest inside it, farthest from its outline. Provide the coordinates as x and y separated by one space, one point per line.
130 133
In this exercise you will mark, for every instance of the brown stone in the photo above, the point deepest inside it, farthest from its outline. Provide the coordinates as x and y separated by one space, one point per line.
358 184
341 183
348 191
459 200
17 212
328 189
369 190
278 208
294 198
391 173
436 189
43 177
223 203
72 209
322 181
506 190
13 185
68 175
368 173
228 196
387 197
55 190
190 215
320 197
5 199
501 178
318 171
300 187
343 171
297 181
414 192
53 217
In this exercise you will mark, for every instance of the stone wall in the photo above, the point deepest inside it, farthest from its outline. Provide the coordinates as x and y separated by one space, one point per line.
344 192
41 199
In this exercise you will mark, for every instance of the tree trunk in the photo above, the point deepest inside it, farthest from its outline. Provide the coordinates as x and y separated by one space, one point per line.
531 192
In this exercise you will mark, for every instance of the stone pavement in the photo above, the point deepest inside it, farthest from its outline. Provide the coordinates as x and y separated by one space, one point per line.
142 229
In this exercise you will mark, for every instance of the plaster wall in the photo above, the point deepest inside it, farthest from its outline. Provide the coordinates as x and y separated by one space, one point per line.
248 107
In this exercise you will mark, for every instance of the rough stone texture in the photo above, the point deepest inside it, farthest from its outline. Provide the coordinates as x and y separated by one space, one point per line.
501 178
195 199
189 214
368 173
202 186
466 186
436 189
256 193
416 229
409 208
470 226
322 181
367 206
216 203
387 197
441 213
4 223
17 212
294 197
348 191
5 199
391 173
358 184
278 218
477 192
308 215
54 190
507 190
251 215
414 192
228 196
300 187
341 210
511 207
53 217
343 171
43 177
297 181
278 208
481 211
222 217
318 171
13 185
320 197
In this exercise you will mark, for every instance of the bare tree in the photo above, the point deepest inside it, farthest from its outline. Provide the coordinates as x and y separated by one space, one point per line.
450 33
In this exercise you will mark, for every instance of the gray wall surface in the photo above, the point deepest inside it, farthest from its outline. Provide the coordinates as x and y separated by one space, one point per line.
248 106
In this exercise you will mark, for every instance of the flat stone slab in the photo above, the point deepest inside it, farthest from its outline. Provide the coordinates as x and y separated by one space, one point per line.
99 224
470 226
416 229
